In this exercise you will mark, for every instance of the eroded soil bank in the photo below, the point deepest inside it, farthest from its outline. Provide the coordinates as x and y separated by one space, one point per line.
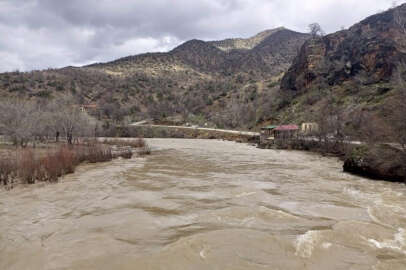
204 204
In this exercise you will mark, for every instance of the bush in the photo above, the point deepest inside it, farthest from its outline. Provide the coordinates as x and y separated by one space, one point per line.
127 154
137 143
7 169
29 168
145 150
94 153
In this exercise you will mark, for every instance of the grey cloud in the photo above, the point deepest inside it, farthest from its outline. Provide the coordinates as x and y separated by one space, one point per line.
39 34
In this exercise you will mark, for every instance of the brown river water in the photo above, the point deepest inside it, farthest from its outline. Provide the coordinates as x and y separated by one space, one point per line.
200 204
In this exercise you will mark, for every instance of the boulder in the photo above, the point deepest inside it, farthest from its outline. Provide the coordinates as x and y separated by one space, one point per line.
381 162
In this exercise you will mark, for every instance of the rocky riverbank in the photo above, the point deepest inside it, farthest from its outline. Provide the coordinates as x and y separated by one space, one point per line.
377 162
381 162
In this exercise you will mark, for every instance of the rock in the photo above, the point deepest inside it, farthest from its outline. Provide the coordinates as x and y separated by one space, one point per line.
369 52
381 162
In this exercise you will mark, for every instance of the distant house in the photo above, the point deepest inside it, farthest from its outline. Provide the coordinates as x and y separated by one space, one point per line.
267 133
309 128
286 132
89 108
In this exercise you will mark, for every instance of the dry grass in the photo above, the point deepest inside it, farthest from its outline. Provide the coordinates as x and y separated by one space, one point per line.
31 165
28 167
127 154
140 144
145 150
7 171
137 143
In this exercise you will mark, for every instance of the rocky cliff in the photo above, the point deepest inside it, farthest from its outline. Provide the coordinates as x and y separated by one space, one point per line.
368 52
358 69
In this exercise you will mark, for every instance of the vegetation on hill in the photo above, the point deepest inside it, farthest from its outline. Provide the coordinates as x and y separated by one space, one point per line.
359 70
197 80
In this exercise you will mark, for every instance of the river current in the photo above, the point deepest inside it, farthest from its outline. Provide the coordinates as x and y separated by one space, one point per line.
205 204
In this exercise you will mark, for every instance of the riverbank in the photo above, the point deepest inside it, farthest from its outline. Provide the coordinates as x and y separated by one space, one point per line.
47 162
376 162
379 162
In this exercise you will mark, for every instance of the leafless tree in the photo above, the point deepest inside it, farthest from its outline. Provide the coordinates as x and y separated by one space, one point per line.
18 120
28 121
72 121
330 121
315 30
367 127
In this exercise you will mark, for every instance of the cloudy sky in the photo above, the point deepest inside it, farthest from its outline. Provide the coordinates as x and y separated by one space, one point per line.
38 34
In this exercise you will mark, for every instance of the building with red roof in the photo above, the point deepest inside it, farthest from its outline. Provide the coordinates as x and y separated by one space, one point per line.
286 132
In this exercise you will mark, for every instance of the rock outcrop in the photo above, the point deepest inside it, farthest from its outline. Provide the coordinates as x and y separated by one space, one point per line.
367 53
380 162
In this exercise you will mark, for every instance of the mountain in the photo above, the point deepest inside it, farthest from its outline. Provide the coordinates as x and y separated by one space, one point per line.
208 81
244 43
360 69
276 76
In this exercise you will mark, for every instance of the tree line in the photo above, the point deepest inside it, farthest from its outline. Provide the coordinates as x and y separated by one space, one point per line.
28 121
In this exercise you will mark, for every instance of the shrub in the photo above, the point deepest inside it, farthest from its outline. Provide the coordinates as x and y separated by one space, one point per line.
51 169
94 153
145 150
127 154
137 143
140 142
7 169
67 158
27 166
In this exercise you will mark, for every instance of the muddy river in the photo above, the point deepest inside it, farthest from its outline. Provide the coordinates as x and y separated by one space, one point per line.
200 204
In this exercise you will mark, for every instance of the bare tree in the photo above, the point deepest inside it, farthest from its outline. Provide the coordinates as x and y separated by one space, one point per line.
72 121
18 120
330 121
315 30
28 121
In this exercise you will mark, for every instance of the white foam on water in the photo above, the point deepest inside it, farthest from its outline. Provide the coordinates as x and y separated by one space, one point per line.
397 244
326 245
373 217
202 255
248 221
306 243
245 194
355 193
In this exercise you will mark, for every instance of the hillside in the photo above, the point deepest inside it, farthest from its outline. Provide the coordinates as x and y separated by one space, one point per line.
244 43
276 76
228 83
359 70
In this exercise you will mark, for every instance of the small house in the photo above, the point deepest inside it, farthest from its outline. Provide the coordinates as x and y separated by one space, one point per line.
88 108
309 128
286 132
267 133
